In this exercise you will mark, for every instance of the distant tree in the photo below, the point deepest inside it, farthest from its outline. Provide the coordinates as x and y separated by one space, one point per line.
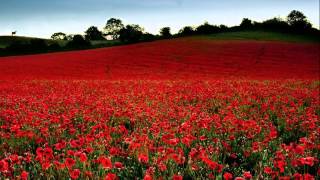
78 42
69 37
165 32
186 31
275 24
148 37
246 23
223 28
59 36
131 33
298 21
93 33
113 27
207 28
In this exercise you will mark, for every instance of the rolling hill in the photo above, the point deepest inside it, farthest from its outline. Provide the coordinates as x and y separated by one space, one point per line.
178 58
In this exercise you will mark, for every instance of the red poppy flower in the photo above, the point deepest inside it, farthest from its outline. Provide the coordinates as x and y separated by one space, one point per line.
111 176
118 165
69 162
83 157
59 165
227 176
46 165
24 175
74 174
105 162
177 177
147 177
247 175
267 170
143 158
4 166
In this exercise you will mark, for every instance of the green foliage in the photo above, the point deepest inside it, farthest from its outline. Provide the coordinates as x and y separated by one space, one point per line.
113 27
93 33
78 42
131 33
187 31
165 32
59 36
262 36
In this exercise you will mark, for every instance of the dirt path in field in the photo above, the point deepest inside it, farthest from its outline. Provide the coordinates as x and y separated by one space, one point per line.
179 58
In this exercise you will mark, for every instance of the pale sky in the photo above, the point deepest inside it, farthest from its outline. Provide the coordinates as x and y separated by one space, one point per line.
42 18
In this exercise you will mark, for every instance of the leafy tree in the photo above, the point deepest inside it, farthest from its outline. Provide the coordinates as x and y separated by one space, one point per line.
69 37
275 24
78 42
113 27
246 23
207 28
165 32
298 21
186 31
148 37
223 28
59 36
93 33
131 33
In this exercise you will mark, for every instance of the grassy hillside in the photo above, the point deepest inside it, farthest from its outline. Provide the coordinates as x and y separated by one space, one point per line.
243 35
7 40
261 35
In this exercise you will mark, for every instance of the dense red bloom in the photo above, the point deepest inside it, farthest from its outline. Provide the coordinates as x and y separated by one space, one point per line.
227 176
280 164
284 178
111 176
105 162
69 162
4 166
308 177
173 141
307 161
299 149
59 165
177 177
118 165
165 65
46 165
83 157
24 175
143 158
267 170
174 107
297 176
247 175
75 173
162 167
147 177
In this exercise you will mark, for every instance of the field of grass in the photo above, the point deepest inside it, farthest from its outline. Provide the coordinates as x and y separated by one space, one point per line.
8 40
243 35
262 35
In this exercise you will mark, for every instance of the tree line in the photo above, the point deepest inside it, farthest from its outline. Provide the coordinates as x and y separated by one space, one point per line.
296 22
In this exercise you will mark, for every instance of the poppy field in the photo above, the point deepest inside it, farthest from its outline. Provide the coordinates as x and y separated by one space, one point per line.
176 109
